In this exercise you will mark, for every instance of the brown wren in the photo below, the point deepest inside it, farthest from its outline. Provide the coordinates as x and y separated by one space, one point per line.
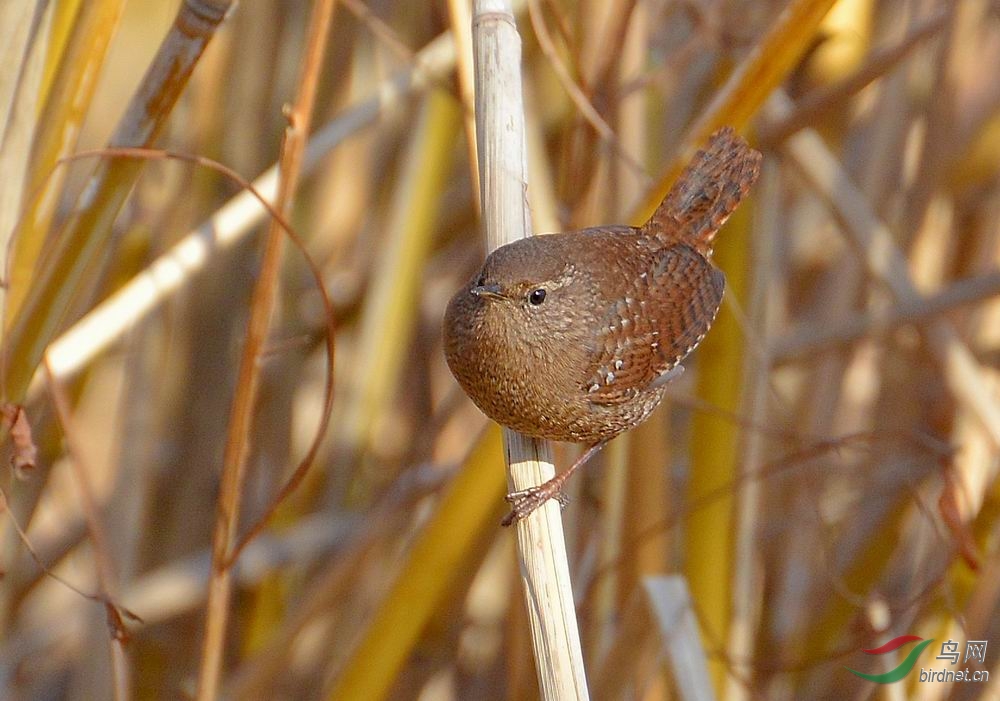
574 336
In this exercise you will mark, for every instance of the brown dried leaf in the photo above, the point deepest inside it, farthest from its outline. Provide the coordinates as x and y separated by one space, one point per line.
25 453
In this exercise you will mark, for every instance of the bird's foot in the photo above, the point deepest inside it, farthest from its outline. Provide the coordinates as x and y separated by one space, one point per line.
524 501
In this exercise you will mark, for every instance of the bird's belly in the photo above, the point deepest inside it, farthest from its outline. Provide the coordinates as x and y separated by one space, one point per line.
566 417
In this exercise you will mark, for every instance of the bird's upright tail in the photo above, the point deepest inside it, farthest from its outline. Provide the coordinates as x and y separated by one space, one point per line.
708 191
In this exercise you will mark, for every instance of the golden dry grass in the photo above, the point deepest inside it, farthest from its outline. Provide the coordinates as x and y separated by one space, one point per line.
822 477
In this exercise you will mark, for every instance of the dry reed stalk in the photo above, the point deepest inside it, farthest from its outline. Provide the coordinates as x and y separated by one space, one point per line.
460 18
391 305
962 371
466 510
108 321
602 603
646 545
503 176
84 240
671 604
710 530
22 32
622 666
809 338
746 578
69 95
633 109
261 308
763 69
23 39
542 198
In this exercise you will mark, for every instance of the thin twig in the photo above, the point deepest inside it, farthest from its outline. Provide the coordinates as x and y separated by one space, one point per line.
262 304
107 577
576 94
115 613
746 597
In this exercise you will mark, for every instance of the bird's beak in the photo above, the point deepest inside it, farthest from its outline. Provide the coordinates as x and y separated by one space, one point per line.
489 291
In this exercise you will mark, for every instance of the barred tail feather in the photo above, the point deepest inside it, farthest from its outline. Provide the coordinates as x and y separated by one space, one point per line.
708 191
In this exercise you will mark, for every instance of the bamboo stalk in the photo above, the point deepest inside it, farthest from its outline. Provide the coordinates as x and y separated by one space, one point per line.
503 177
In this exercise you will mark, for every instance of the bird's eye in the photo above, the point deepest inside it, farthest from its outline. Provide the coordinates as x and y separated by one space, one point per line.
537 296
481 281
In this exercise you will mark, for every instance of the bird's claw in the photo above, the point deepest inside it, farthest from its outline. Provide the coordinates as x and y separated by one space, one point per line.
524 501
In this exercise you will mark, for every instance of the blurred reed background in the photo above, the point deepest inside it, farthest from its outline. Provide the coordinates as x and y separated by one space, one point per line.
823 475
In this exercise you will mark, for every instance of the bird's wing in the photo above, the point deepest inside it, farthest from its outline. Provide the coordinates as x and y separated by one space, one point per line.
645 334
